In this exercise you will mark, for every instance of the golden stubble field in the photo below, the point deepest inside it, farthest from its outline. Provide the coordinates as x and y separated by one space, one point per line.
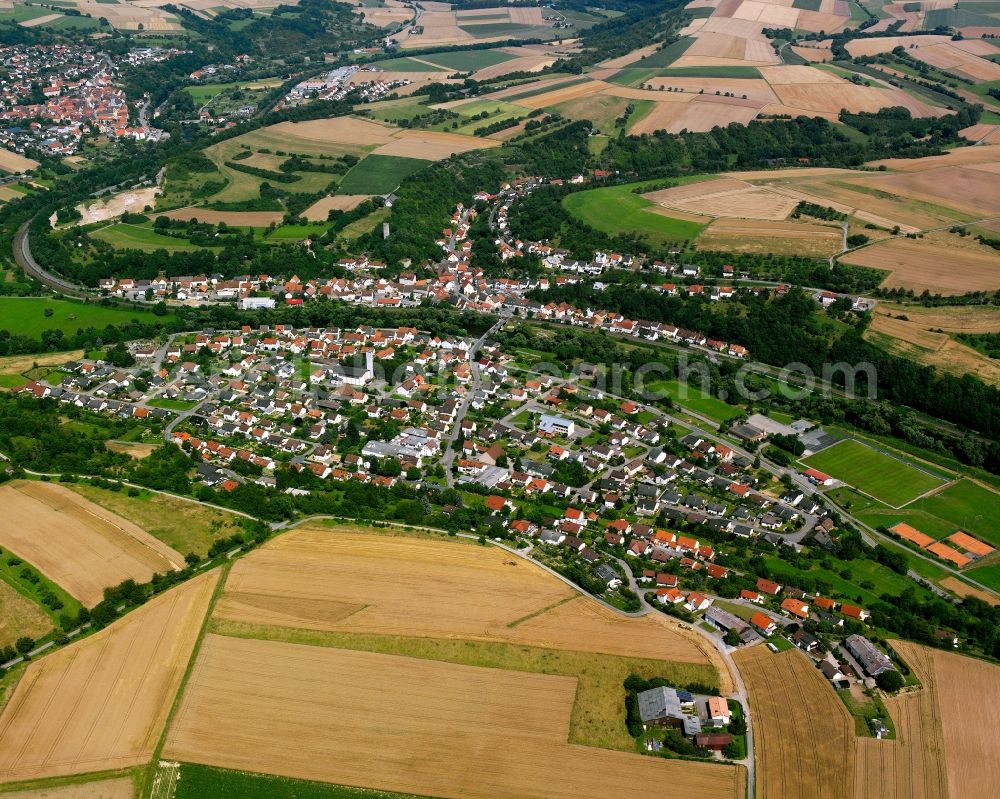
340 580
77 544
921 342
942 264
404 724
966 695
806 745
19 616
114 788
803 734
393 661
101 704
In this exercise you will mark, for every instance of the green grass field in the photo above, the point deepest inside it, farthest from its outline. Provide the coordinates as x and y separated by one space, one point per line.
957 18
199 782
11 574
709 72
171 404
141 237
379 174
964 505
21 13
404 64
666 56
468 60
497 109
616 209
695 399
892 481
987 575
26 316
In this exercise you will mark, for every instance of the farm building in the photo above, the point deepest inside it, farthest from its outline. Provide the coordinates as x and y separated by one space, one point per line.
665 707
716 741
717 710
872 659
725 621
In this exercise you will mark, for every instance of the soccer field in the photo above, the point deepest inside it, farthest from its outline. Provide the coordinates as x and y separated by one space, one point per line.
888 479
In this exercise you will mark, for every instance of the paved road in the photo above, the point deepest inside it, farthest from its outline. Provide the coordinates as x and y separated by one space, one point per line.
449 456
27 262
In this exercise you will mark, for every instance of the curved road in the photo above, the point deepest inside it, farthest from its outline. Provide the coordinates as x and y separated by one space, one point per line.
24 259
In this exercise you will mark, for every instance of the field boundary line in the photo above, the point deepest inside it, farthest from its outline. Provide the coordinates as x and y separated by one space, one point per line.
541 611
148 773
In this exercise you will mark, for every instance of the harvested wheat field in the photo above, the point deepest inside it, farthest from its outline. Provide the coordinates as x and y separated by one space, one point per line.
920 264
320 210
15 163
700 115
830 98
528 63
351 131
341 572
116 788
780 238
558 95
101 703
886 44
912 765
915 340
77 544
961 156
754 89
19 616
814 53
803 734
726 197
16 364
235 218
967 695
404 724
431 145
963 590
970 190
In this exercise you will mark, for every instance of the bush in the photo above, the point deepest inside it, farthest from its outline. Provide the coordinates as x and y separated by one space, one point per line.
889 681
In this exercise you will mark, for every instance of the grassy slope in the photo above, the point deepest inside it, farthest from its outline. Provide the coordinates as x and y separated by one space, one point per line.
185 526
141 237
616 209
27 317
379 174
